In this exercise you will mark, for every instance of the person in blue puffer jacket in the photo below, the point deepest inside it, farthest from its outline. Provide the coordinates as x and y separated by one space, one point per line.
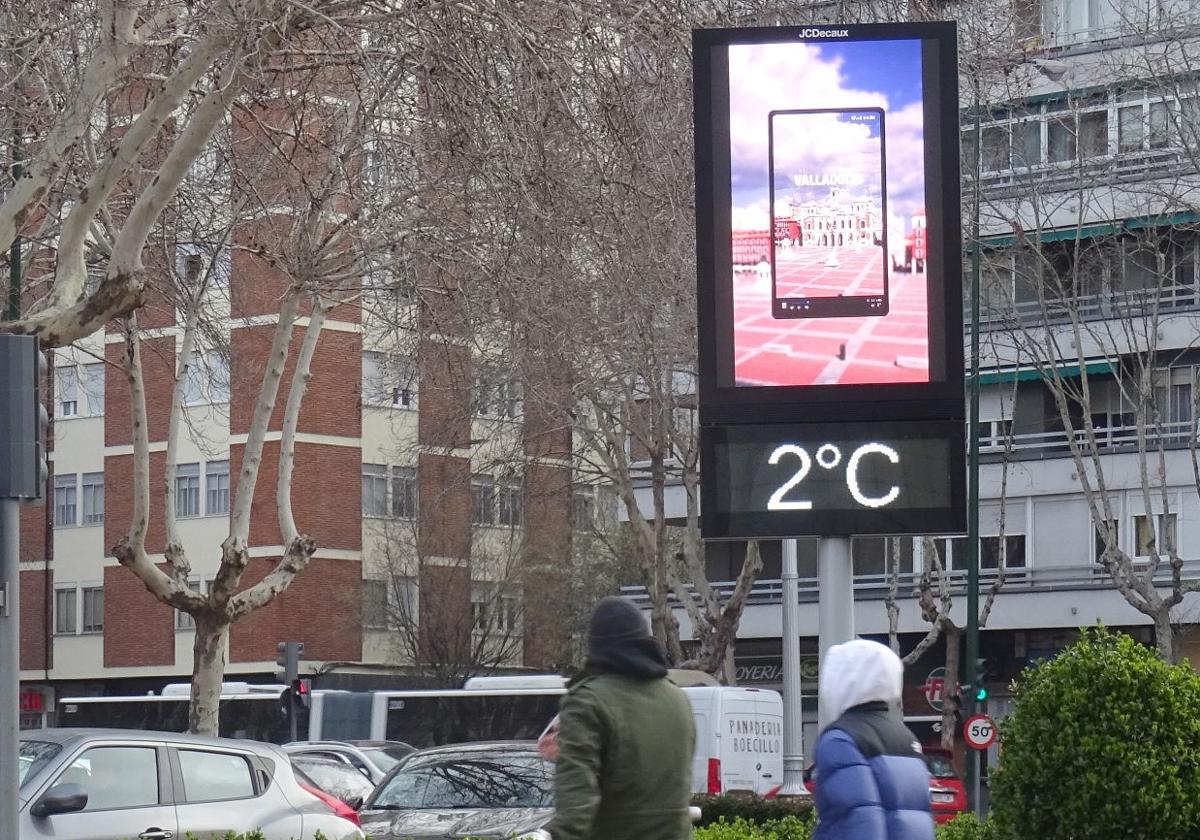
871 779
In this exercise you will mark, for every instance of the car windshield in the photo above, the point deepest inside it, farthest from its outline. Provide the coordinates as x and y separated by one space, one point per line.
940 766
484 779
33 756
385 758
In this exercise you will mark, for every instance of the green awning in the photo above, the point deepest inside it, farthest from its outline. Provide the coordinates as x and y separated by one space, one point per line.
1089 231
1028 373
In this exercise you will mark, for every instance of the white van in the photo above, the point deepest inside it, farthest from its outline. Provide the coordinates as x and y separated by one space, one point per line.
739 739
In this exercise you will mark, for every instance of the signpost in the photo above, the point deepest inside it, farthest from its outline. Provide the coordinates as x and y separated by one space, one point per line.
829 299
979 732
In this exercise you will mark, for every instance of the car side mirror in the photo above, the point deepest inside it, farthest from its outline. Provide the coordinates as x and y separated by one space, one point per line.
694 814
355 801
66 798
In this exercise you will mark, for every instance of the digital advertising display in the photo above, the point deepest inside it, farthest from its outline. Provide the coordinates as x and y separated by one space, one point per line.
815 479
828 215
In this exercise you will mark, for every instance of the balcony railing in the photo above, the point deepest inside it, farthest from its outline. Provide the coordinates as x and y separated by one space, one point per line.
1134 304
1108 439
875 587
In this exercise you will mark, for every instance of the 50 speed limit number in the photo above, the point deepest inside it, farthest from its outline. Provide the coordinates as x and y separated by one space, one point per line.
979 732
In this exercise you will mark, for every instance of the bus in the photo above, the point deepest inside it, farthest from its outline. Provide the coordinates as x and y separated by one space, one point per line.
255 712
484 709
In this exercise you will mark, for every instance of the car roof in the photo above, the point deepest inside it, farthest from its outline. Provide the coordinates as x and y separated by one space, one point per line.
73 735
321 761
479 746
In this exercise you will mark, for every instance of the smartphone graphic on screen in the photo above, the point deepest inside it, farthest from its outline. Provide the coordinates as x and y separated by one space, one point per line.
828 242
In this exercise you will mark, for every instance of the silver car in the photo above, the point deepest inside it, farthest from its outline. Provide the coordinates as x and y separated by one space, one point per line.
374 759
113 784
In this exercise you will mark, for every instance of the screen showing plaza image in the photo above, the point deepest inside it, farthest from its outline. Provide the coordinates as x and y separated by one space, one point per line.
827 274
827 211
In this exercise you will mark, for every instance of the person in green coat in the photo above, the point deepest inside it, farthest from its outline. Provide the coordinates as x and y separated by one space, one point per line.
625 739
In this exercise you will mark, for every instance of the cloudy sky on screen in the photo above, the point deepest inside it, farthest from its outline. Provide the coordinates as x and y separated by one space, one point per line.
772 77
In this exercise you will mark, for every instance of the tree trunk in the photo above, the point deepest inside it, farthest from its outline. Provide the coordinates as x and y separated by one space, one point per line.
1164 637
953 635
211 650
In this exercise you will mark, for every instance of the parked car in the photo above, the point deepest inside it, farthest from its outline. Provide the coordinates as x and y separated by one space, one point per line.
947 794
371 758
497 789
331 777
114 784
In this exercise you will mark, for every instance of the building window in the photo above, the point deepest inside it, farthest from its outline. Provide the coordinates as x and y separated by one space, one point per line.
387 381
93 498
64 500
583 507
1102 538
66 385
184 620
187 490
206 379
93 609
93 388
509 504
404 492
992 550
495 608
483 500
216 487
64 611
375 604
374 490
1154 535
496 395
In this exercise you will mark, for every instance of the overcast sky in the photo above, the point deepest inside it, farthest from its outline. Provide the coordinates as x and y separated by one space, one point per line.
772 77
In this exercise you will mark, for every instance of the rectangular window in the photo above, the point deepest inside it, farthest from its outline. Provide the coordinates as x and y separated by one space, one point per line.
64 500
1159 133
183 620
64 611
218 377
206 380
1131 128
374 490
66 385
509 498
1093 134
583 507
1154 535
116 777
93 498
187 490
995 148
375 604
386 381
495 609
483 500
215 777
1102 536
93 389
1027 144
93 609
1060 139
216 487
1012 550
404 492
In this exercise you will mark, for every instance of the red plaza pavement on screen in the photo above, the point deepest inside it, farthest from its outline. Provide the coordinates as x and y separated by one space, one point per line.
829 351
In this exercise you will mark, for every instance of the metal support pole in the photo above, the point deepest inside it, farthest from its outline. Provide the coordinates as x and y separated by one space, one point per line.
835 607
793 712
973 760
10 670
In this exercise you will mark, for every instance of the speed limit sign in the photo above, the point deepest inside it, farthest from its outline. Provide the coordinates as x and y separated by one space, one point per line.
979 732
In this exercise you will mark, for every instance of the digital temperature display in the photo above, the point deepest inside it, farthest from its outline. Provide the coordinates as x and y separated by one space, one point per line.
823 479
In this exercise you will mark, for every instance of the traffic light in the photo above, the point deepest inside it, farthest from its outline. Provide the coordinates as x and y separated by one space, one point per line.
23 418
301 688
287 657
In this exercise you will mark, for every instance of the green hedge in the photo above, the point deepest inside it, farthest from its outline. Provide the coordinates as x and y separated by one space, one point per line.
1103 742
965 827
753 809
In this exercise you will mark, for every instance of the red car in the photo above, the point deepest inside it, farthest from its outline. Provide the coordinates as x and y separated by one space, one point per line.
947 796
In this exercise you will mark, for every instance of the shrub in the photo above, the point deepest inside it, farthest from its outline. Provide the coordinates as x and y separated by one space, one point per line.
787 828
965 827
1104 742
747 806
